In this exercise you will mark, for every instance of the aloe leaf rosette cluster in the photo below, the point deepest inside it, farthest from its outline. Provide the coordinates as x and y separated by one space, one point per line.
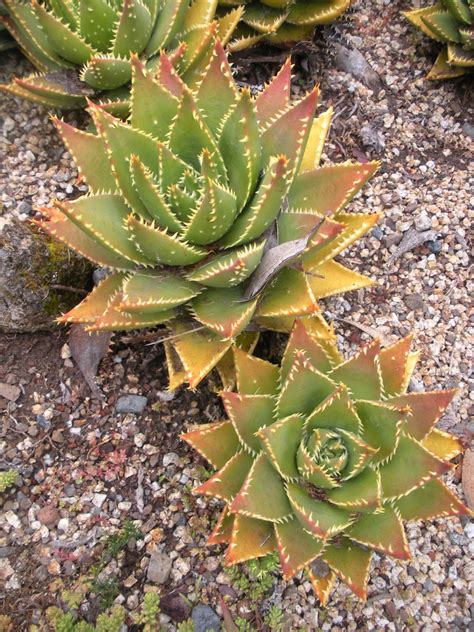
452 23
84 47
322 459
211 211
280 22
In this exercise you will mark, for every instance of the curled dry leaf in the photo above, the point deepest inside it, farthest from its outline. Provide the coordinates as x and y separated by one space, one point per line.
87 350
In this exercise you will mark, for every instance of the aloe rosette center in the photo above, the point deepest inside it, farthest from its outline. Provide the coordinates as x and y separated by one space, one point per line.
325 451
322 459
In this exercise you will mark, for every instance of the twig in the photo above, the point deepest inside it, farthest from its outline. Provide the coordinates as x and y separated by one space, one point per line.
365 328
191 331
68 288
149 335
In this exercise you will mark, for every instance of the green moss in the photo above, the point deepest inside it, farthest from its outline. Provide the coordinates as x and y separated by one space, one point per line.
52 263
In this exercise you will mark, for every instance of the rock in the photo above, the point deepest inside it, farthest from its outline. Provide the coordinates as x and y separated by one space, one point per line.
6 570
10 392
57 436
414 301
468 129
30 265
54 568
377 233
130 404
65 351
47 515
468 478
43 422
5 551
352 61
171 459
372 137
205 619
98 500
12 519
428 585
175 606
166 396
390 610
392 240
423 222
99 275
434 246
159 568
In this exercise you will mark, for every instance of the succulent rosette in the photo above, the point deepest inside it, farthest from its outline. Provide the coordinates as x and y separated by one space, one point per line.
83 49
280 22
322 458
212 214
452 23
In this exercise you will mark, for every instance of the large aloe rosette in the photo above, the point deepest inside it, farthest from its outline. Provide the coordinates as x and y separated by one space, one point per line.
82 48
212 213
280 21
452 23
323 458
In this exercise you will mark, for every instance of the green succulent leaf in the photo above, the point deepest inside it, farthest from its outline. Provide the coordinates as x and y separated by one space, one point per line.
230 269
409 468
319 518
383 531
223 310
266 503
148 291
296 547
249 413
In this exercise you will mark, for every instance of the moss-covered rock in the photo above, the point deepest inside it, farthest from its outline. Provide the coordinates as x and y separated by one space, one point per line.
31 269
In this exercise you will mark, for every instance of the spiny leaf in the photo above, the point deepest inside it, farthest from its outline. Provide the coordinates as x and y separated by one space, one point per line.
265 503
223 311
216 442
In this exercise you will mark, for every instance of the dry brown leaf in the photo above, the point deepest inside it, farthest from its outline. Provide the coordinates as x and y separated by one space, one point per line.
87 350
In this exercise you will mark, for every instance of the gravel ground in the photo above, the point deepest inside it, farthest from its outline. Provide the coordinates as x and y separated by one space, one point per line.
84 468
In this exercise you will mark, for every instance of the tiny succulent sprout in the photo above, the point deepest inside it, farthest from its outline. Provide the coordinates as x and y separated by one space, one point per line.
452 23
82 49
280 22
212 214
322 459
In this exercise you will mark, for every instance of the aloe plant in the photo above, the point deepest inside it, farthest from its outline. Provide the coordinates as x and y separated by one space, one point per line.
280 22
83 48
213 213
322 459
452 23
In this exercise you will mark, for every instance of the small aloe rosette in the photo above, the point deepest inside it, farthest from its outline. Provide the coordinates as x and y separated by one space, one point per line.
322 459
212 214
452 23
280 22
83 48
